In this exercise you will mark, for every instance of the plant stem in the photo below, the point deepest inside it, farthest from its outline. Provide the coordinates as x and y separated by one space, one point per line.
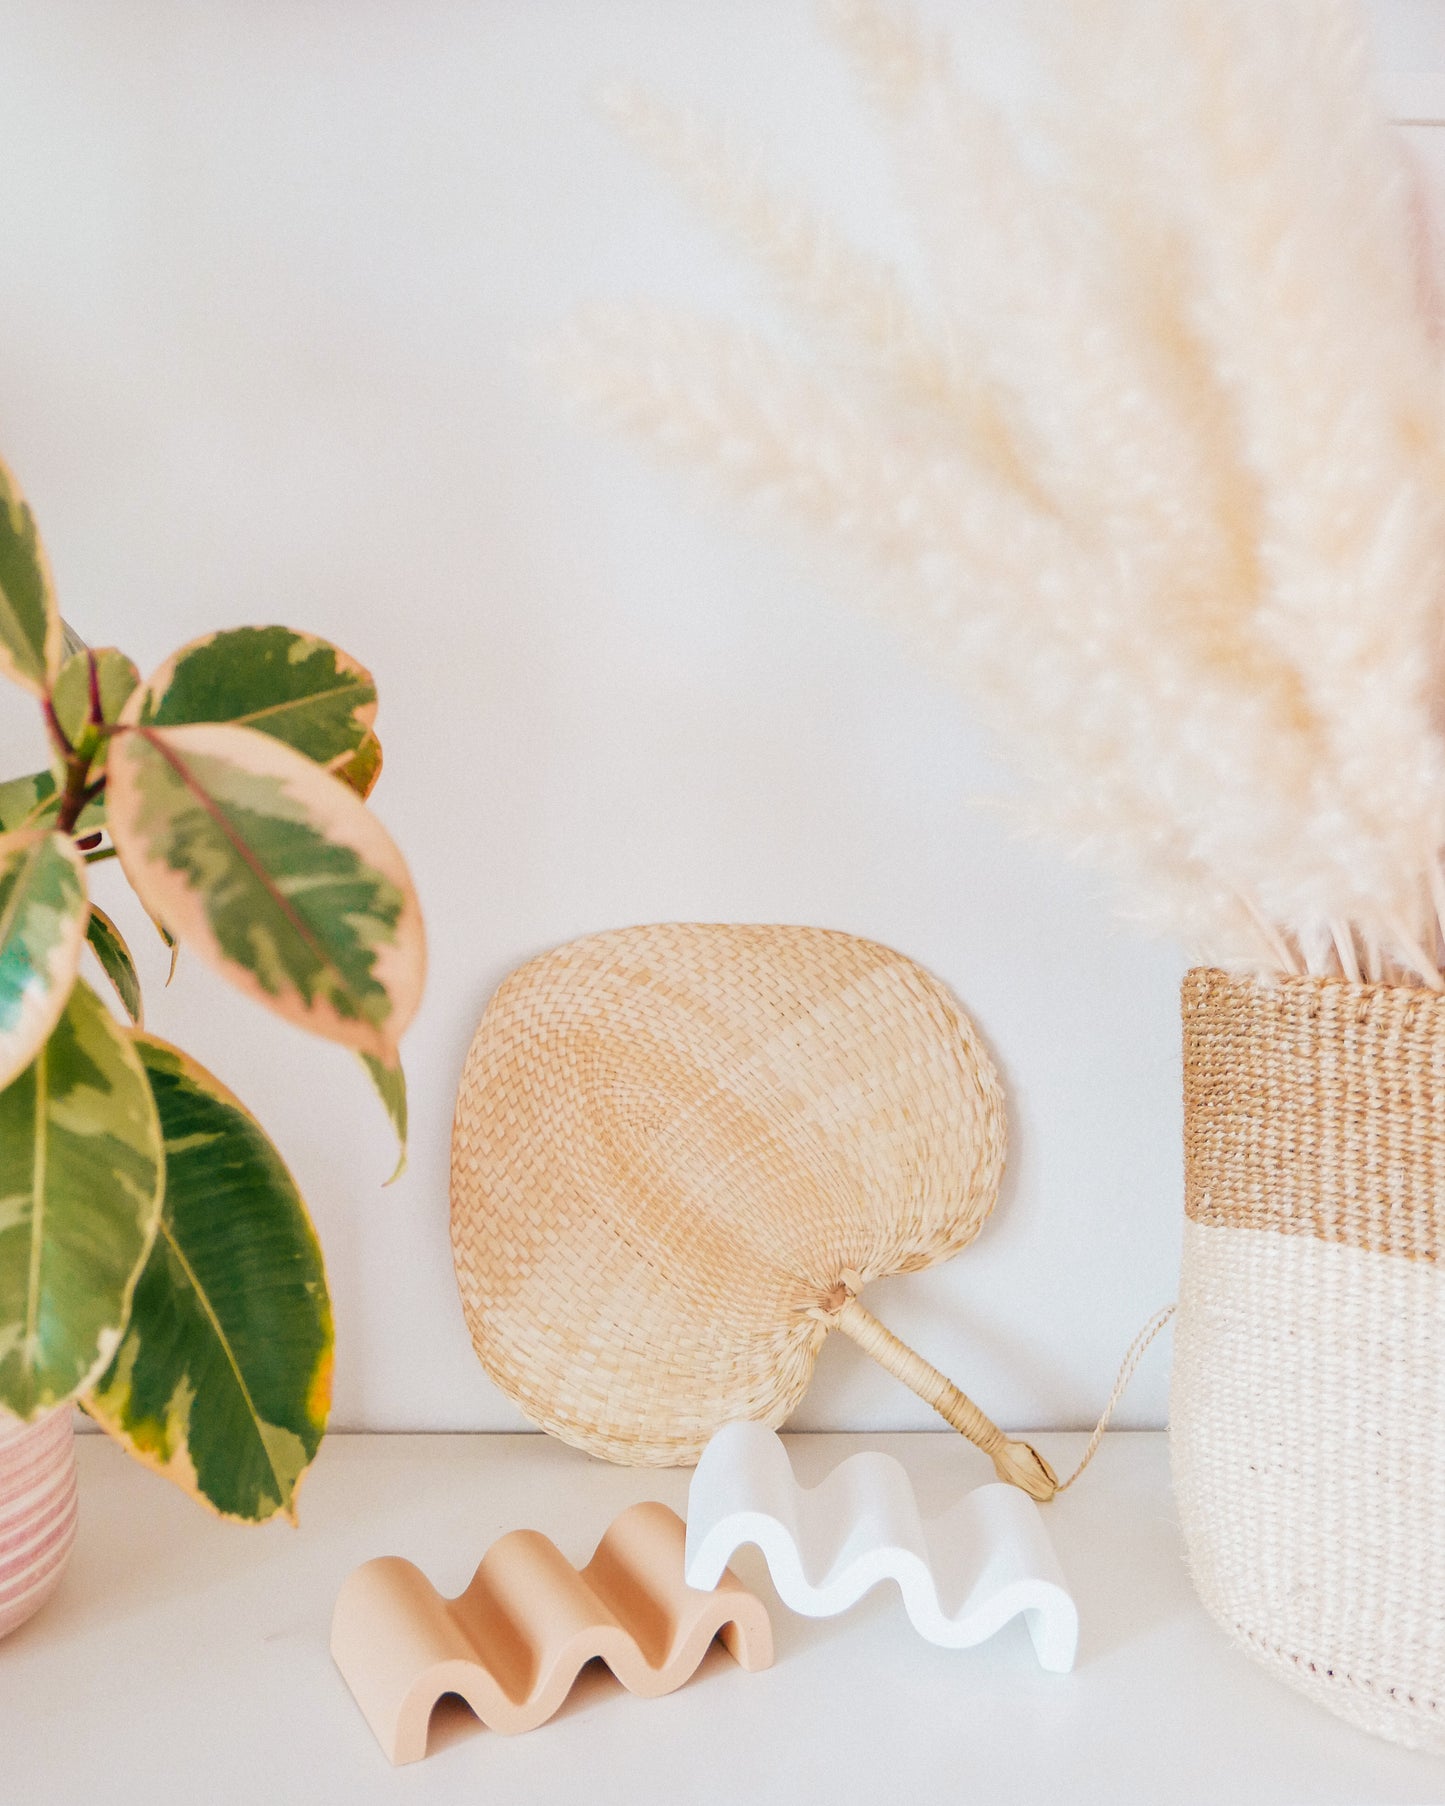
56 731
76 793
77 790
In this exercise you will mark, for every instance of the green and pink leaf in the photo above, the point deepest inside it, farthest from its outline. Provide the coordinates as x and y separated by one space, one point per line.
42 930
293 686
81 1174
34 801
32 640
222 1381
116 680
390 1084
277 876
363 768
28 800
109 947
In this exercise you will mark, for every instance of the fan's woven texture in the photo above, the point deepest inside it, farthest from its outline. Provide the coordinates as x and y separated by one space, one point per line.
671 1144
1308 1409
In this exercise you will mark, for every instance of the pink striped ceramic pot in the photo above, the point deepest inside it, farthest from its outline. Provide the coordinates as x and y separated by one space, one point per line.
37 1511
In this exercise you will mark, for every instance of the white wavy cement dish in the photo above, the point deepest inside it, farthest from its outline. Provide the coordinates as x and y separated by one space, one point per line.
963 1575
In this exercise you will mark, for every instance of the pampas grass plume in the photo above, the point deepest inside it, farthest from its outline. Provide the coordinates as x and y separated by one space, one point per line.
1155 470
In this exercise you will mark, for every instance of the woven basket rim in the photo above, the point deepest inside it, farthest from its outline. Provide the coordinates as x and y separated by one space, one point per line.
1310 981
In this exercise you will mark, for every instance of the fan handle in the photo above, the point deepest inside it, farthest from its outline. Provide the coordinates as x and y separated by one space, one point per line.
1013 1461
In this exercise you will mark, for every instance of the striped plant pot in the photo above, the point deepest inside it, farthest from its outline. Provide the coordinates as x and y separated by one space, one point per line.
1307 1417
37 1512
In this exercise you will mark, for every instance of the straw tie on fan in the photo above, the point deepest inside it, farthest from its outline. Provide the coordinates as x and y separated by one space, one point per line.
1014 1461
1017 1462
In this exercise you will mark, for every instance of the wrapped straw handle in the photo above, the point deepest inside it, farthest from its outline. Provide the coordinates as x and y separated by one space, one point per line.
1013 1461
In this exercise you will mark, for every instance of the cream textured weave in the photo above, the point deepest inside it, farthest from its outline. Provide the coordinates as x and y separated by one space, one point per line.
1307 1415
680 1151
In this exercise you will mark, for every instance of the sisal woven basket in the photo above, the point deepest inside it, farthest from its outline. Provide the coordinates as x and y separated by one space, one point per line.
681 1151
1307 1416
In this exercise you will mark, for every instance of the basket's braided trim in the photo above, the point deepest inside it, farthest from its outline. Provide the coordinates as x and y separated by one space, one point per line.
1307 1413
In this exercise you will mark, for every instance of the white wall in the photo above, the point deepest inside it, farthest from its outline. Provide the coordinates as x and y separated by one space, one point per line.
268 275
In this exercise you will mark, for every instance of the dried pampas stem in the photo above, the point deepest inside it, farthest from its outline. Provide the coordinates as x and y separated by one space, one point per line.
1345 948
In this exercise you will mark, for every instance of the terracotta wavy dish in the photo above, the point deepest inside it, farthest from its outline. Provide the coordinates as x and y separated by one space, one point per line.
514 1642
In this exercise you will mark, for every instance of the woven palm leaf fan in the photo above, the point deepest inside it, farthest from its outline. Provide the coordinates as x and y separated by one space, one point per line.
679 1154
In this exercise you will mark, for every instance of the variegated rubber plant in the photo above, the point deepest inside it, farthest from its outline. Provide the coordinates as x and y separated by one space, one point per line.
157 1263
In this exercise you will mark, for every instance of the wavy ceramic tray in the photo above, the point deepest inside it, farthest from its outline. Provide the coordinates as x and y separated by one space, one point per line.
962 1575
512 1644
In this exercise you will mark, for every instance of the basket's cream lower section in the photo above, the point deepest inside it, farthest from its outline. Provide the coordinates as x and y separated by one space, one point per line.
1307 1430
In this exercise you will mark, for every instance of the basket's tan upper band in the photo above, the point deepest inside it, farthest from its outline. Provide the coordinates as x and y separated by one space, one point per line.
1316 1107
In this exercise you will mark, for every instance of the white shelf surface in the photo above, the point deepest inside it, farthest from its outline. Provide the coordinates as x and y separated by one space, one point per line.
185 1660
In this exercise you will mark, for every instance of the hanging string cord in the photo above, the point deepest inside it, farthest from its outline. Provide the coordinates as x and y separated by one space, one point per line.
1132 1358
